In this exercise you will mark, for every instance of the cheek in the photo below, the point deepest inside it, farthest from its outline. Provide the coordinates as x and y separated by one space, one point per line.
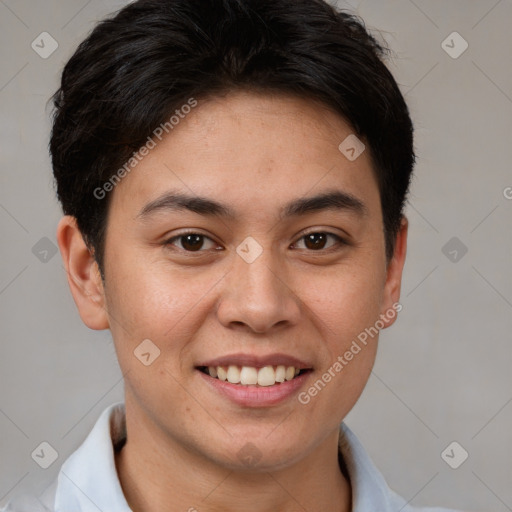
151 301
345 311
344 302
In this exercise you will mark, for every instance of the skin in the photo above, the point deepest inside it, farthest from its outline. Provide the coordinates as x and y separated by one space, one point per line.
254 153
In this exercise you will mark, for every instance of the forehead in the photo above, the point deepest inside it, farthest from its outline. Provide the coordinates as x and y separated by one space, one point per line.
252 151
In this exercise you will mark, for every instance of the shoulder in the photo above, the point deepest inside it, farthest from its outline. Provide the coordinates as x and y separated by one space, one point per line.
25 503
370 490
399 503
31 502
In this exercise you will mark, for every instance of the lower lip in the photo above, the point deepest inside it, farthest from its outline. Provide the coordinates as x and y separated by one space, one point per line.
257 396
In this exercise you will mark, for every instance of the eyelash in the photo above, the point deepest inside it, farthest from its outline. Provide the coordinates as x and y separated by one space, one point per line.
339 241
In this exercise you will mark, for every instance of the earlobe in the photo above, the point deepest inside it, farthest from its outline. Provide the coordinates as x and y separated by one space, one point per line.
83 274
391 297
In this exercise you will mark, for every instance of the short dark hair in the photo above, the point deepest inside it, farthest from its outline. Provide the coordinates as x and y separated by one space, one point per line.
140 65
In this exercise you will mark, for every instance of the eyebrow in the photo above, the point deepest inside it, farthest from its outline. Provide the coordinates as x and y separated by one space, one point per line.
331 200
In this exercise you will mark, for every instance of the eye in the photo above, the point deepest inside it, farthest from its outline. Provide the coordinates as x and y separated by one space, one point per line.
191 242
317 241
197 242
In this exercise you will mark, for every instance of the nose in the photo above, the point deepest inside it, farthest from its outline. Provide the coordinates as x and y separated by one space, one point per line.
258 296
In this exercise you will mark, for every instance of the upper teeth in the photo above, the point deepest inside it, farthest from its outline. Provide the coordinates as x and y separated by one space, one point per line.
246 375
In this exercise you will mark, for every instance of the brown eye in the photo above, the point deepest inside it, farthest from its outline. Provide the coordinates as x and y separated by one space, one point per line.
318 240
190 242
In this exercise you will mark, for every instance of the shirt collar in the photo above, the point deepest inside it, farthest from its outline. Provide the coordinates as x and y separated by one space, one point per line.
88 480
369 489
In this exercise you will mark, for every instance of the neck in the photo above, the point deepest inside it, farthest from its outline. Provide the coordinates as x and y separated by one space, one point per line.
159 474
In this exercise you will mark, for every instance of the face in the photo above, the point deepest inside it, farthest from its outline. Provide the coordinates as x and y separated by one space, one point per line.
283 267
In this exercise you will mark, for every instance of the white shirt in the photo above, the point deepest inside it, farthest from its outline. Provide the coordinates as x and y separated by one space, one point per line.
88 480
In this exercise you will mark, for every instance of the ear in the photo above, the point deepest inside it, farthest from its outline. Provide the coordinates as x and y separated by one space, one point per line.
391 296
83 274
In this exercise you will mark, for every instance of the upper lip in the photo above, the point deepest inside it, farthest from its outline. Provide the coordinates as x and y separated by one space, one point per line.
257 361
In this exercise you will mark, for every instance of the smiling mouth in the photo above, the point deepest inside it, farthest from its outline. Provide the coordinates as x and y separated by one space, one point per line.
252 376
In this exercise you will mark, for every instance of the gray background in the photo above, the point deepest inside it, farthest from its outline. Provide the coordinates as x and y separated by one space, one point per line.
443 372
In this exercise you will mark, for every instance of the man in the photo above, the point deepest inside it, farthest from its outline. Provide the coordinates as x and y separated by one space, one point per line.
233 175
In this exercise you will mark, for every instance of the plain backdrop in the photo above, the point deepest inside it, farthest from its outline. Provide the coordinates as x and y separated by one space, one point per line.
443 371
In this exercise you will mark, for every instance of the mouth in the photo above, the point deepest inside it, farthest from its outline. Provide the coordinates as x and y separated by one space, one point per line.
253 376
255 380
